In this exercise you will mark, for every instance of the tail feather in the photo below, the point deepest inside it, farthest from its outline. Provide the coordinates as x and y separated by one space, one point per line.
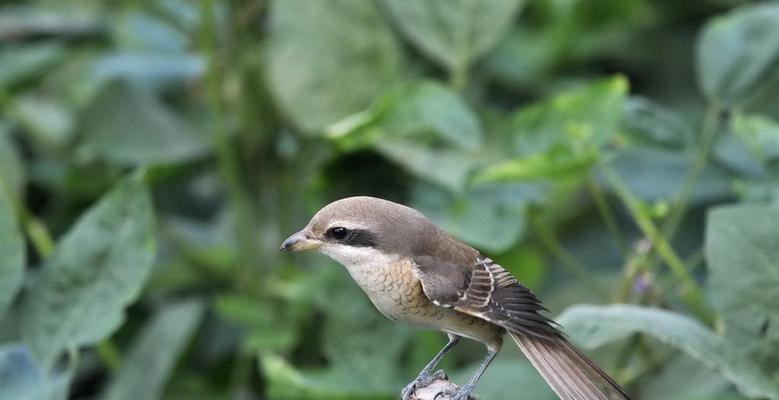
570 374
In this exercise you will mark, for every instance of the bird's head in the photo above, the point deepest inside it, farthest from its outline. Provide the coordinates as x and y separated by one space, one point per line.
358 229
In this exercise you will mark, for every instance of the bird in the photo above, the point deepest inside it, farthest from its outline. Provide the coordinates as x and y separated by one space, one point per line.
416 273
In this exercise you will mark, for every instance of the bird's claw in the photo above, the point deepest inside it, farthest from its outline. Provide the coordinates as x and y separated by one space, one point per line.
463 393
422 380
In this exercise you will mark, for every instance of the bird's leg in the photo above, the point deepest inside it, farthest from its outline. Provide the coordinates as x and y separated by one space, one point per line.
464 391
425 373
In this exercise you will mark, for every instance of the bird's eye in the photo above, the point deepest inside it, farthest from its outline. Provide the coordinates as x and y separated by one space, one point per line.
338 233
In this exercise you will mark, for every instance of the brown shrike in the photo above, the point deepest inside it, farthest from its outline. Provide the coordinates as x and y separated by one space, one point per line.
416 273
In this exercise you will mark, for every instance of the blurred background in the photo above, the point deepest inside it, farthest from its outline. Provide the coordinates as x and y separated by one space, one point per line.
153 156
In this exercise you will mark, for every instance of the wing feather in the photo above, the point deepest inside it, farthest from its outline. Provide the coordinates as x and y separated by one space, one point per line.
486 290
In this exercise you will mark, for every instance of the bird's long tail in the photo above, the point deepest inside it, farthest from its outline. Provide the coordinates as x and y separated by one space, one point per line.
570 373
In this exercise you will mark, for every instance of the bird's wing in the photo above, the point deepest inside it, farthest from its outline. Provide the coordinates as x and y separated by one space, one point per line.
486 290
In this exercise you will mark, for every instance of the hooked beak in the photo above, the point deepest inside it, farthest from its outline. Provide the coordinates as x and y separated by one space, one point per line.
300 242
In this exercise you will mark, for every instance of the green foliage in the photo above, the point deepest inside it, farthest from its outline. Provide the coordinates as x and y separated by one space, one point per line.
127 126
741 247
153 155
738 54
12 248
23 379
454 34
316 65
593 326
153 355
97 270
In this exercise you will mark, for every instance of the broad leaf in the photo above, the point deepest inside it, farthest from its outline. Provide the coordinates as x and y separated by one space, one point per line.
49 121
129 126
585 117
431 106
454 33
559 163
491 217
682 378
652 174
12 250
22 61
155 352
654 123
96 271
152 71
12 172
593 326
21 378
328 59
446 167
751 146
742 249
35 21
738 53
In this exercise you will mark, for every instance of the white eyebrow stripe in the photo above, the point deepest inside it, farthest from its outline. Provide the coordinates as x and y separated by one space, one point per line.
346 224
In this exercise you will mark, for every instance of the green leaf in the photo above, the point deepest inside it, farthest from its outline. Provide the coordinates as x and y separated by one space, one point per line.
49 121
329 59
22 61
760 133
431 106
35 21
738 54
288 383
580 118
751 145
593 326
12 251
742 246
652 174
153 71
445 167
454 33
129 126
21 378
558 163
491 217
12 172
155 352
96 271
682 379
656 124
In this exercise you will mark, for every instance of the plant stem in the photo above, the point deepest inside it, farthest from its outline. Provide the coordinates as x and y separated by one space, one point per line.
458 76
110 355
707 135
608 217
229 166
691 294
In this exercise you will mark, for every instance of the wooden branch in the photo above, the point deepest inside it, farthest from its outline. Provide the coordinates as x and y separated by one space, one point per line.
437 387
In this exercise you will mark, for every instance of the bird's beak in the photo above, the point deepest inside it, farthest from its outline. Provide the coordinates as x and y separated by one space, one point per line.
300 241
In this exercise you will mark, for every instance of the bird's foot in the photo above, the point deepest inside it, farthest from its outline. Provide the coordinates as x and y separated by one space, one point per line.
463 393
422 380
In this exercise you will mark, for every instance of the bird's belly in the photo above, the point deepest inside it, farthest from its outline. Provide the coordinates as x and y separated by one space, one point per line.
397 294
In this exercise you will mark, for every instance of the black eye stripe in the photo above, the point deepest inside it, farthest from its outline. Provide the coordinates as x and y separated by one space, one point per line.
362 238
352 237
